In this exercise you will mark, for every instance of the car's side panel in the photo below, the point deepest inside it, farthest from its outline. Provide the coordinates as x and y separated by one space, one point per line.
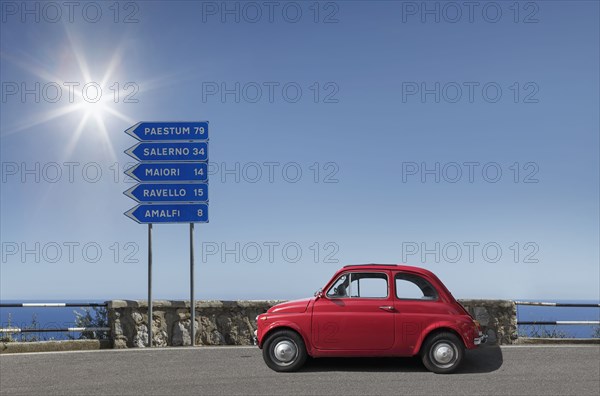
317 353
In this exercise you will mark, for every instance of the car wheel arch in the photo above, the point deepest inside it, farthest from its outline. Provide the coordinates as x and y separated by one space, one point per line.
432 332
289 327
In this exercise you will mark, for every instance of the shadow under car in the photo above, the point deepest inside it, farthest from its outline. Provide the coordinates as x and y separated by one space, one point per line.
484 359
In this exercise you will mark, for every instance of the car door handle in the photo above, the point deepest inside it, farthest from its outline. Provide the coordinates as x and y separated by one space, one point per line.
388 308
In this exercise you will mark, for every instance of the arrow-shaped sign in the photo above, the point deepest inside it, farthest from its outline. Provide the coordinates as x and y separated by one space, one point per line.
166 171
163 131
171 213
169 192
169 151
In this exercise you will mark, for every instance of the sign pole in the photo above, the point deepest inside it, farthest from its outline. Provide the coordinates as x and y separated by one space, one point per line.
192 300
150 285
173 186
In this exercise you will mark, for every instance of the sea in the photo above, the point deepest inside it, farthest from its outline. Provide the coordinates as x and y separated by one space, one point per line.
63 317
42 318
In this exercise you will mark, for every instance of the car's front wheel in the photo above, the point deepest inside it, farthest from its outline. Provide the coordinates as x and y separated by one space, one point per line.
284 350
442 353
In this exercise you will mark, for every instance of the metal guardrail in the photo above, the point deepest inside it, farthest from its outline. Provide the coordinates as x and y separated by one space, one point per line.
52 305
65 329
551 304
107 329
558 322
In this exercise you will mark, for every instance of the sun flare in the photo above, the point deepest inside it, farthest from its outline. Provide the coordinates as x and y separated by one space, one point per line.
93 98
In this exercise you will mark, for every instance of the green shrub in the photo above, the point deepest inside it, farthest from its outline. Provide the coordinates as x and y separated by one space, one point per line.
95 317
7 337
541 331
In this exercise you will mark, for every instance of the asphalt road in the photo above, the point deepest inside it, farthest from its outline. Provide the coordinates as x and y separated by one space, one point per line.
521 370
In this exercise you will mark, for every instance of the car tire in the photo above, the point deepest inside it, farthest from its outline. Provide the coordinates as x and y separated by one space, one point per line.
284 351
442 353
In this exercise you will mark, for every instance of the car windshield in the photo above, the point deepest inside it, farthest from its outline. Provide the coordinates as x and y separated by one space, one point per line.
340 287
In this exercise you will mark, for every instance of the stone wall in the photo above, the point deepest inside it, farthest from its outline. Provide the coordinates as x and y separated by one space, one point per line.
498 318
217 322
233 322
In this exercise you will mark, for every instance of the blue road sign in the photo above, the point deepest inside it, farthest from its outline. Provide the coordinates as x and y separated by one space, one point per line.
169 192
163 131
169 151
169 213
169 171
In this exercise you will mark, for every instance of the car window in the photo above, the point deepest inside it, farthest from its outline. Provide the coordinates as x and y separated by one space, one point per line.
413 287
369 285
360 285
339 288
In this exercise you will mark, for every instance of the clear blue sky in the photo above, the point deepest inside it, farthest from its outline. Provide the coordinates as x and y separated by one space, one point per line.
365 126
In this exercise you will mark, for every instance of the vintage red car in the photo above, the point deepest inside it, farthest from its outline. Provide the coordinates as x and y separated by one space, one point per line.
371 310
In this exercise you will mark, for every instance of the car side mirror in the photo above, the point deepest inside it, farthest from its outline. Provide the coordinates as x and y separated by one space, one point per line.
319 294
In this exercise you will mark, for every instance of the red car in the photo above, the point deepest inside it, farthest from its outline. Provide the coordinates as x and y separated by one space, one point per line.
371 310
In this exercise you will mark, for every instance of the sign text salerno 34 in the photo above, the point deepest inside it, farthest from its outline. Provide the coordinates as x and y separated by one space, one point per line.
169 151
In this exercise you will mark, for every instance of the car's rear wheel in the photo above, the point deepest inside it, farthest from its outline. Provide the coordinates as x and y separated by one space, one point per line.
284 350
442 353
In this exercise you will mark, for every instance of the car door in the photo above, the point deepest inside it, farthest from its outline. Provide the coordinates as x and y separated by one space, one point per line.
356 313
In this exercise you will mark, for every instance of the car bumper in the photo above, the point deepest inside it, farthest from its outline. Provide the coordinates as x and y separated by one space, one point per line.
481 339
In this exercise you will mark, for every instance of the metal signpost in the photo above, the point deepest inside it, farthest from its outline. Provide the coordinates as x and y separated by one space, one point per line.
173 188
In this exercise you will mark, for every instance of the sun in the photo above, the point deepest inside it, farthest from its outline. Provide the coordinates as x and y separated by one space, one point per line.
95 107
95 110
92 100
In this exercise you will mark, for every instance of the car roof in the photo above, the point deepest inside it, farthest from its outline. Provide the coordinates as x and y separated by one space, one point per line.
394 267
398 267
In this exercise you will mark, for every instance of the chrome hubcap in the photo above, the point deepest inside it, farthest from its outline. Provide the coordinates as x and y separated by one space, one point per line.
444 353
285 351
